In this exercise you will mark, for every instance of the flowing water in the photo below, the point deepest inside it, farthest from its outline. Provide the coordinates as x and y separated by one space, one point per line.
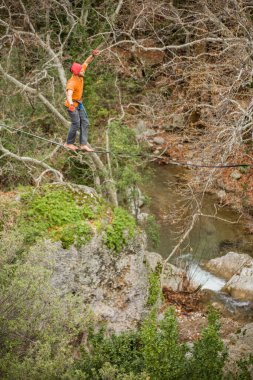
209 238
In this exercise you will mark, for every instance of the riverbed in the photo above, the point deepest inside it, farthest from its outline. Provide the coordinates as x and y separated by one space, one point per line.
211 237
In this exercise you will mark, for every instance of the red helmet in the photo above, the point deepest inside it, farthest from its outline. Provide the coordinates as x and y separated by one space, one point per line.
76 68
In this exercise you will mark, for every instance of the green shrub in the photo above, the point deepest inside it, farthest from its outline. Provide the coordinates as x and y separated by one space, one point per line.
122 352
164 356
57 213
153 352
154 289
209 353
38 328
126 160
121 229
69 234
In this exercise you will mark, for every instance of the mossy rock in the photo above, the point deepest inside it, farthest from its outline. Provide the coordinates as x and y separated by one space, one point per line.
59 212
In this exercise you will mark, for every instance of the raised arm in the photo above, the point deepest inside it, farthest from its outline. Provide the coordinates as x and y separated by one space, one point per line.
91 57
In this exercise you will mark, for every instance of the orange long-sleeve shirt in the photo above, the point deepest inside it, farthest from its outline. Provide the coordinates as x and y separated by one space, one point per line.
75 83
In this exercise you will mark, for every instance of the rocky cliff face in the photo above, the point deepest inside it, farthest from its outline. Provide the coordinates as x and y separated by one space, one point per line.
114 286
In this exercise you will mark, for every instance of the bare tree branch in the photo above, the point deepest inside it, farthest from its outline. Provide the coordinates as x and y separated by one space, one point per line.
33 91
58 175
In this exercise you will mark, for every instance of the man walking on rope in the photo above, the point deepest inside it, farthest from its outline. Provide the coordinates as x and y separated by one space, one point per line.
75 108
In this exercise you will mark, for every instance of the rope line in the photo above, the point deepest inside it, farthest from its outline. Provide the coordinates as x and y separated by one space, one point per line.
124 155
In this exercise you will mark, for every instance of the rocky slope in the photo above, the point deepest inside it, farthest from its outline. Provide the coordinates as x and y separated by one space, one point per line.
115 287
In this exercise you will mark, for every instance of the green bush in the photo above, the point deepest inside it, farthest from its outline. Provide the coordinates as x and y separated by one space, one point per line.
126 160
164 357
57 213
38 328
154 288
121 229
209 352
122 352
153 352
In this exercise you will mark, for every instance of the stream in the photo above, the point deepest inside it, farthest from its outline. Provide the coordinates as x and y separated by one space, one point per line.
209 238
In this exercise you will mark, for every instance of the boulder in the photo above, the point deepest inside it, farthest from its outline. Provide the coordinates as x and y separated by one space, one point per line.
173 277
228 265
241 284
142 217
153 260
114 286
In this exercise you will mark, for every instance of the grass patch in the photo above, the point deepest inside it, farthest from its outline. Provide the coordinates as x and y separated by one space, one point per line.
57 213
121 229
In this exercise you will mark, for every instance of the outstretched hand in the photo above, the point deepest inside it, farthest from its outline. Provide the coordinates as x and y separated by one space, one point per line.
95 52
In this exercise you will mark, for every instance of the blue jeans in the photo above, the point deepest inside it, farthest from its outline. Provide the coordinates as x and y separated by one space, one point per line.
79 120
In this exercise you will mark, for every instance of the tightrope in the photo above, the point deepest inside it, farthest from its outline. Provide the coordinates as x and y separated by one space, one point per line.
124 155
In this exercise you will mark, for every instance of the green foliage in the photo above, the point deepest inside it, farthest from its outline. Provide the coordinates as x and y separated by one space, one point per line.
244 169
132 86
121 229
127 178
64 214
39 332
11 247
111 372
123 141
57 213
38 328
70 234
125 160
154 352
154 288
100 81
122 352
75 171
164 357
209 353
14 172
131 376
